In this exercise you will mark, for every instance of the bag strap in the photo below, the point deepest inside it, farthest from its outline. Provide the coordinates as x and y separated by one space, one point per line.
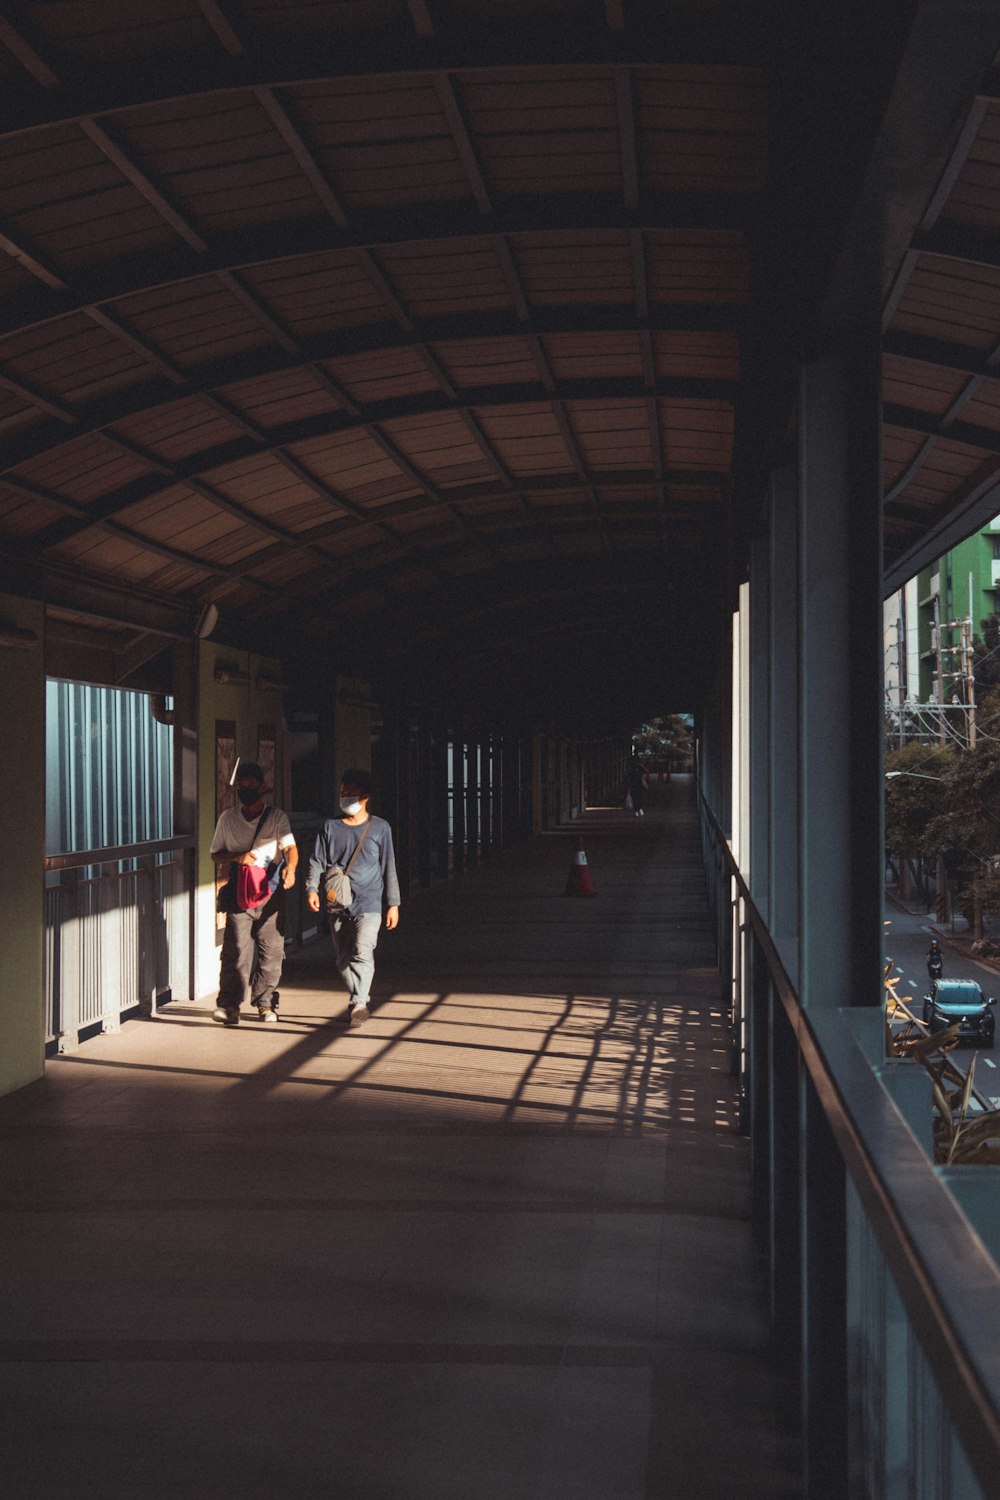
357 850
256 832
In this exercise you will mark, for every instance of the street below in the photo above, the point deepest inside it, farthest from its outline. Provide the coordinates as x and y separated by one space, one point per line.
907 939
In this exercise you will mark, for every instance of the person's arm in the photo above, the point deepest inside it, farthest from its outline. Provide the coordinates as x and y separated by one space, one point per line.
318 861
390 881
291 853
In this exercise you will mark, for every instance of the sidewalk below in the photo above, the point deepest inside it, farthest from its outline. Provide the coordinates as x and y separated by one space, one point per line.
494 1245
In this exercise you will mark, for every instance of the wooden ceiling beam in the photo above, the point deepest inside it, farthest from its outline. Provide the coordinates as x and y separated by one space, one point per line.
444 87
737 35
85 520
39 399
18 249
241 251
909 420
420 15
23 43
627 137
279 113
948 356
108 143
222 19
114 324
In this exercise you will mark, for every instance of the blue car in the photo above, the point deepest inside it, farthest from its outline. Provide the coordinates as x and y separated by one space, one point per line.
952 1000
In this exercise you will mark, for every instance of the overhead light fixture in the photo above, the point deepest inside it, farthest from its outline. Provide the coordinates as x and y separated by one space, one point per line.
232 679
207 621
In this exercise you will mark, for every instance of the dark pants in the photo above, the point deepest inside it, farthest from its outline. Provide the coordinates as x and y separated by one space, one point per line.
248 936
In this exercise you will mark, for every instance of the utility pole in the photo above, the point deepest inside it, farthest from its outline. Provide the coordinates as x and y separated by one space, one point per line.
939 663
970 680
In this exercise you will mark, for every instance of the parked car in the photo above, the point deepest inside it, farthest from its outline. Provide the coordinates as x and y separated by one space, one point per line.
952 1000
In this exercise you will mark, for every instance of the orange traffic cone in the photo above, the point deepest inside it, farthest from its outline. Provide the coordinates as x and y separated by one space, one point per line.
578 883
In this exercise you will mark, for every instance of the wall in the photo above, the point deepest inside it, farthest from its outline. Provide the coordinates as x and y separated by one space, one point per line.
22 808
352 728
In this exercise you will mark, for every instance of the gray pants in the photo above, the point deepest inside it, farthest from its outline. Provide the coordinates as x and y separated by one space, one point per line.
354 940
246 937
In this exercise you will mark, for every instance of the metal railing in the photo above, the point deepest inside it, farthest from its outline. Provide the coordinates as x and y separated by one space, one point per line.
922 1309
116 934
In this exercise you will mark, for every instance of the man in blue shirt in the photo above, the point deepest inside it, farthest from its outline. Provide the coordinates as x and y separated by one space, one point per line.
355 928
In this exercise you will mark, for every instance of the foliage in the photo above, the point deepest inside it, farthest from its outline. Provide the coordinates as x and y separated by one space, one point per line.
986 657
914 799
665 743
966 827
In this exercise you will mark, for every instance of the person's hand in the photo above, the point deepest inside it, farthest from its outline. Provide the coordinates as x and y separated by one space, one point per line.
287 877
391 918
312 900
247 859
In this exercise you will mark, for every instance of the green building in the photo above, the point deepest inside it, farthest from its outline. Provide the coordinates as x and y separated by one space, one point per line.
961 586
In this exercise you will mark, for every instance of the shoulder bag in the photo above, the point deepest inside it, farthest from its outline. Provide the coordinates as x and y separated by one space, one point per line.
248 886
336 879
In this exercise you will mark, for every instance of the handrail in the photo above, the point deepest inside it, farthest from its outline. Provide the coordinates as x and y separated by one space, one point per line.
110 855
940 1266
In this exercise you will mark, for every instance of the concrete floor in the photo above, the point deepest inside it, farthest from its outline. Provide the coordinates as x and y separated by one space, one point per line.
492 1246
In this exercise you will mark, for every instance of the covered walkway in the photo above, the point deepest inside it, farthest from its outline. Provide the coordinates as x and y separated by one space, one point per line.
495 1244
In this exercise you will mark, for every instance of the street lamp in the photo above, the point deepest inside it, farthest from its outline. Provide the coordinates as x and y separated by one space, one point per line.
920 775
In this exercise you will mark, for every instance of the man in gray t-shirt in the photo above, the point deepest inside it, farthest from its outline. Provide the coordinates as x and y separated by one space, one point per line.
355 929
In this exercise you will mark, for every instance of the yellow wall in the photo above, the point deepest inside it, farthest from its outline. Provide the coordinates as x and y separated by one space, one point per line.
22 810
352 726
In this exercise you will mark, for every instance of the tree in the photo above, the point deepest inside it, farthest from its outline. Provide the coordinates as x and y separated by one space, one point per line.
986 657
916 797
966 828
665 742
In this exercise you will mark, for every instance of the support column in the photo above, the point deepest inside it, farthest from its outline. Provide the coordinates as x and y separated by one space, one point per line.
840 761
441 844
185 695
22 878
458 798
426 796
841 854
783 767
472 801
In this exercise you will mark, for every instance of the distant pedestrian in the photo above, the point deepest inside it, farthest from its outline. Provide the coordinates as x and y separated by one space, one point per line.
635 780
935 960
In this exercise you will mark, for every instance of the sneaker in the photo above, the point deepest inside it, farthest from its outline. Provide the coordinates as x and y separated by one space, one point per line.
229 1015
266 1013
219 1013
358 1015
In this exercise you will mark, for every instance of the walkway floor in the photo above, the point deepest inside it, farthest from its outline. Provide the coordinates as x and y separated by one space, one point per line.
492 1246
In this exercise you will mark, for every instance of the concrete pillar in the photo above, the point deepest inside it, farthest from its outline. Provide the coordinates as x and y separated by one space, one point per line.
840 604
22 807
783 718
840 826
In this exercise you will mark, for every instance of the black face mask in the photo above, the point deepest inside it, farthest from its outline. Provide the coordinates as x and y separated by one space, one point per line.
248 795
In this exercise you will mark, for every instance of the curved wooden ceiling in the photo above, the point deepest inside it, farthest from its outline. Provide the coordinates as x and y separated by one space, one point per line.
418 330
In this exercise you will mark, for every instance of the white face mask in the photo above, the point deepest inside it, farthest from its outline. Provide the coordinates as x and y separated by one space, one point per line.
350 807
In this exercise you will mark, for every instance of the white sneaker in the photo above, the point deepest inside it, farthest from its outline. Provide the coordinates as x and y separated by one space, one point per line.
359 1015
219 1013
266 1013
